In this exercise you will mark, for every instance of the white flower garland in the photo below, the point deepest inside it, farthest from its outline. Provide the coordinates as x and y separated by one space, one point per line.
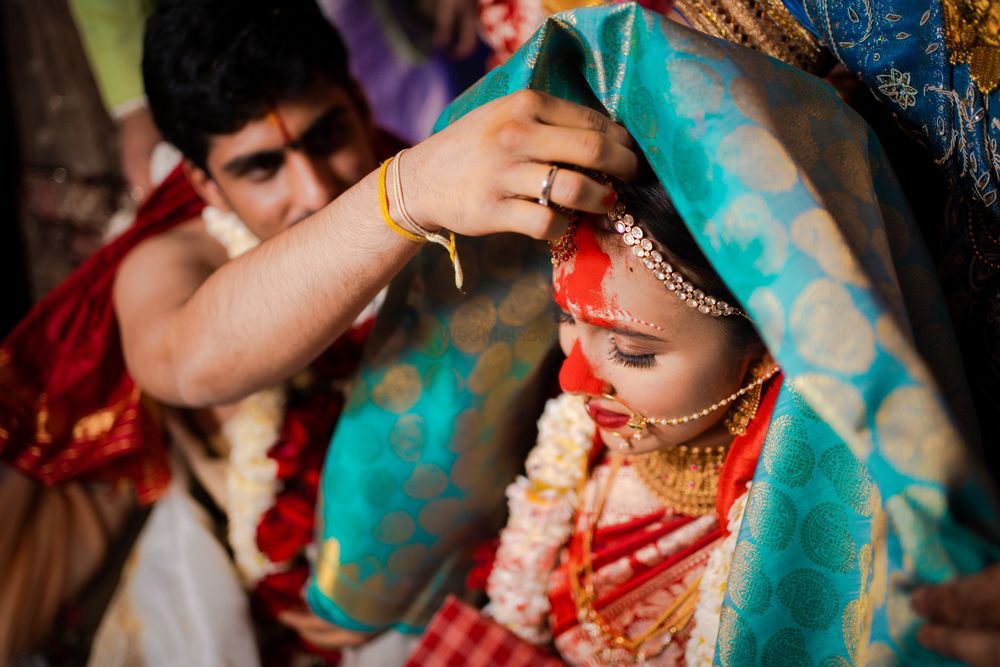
541 516
251 477
540 524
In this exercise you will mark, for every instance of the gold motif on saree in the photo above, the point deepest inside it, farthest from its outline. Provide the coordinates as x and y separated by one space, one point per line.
852 624
394 528
369 601
536 338
695 88
829 331
529 298
471 325
407 561
493 366
399 389
497 407
748 585
758 159
850 163
816 233
440 516
902 619
748 224
840 404
919 535
880 654
916 435
769 317
856 621
425 483
972 32
796 135
407 437
751 99
432 336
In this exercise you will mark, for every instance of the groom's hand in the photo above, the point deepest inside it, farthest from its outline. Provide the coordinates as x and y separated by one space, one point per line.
485 172
321 634
963 618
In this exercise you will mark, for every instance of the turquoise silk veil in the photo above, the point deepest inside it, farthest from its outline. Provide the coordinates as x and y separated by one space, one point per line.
866 469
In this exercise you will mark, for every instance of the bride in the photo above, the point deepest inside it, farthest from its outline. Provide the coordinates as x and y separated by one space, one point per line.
665 379
761 445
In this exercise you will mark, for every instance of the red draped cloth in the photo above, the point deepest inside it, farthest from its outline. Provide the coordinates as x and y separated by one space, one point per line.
68 408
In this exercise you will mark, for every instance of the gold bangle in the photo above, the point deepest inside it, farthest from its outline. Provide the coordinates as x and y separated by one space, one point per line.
383 199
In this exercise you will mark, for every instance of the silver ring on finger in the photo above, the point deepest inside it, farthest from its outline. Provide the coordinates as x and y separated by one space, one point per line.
550 178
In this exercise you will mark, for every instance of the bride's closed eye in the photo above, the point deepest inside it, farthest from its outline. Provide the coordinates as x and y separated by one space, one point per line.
630 360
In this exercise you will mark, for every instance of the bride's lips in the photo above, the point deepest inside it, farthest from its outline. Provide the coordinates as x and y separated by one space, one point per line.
606 418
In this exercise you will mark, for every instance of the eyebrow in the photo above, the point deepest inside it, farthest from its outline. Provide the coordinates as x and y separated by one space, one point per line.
334 115
243 163
624 331
632 333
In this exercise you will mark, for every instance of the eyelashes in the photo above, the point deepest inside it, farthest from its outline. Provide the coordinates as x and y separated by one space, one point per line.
615 354
562 317
630 360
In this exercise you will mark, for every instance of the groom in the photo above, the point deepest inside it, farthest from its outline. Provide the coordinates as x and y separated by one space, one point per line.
257 97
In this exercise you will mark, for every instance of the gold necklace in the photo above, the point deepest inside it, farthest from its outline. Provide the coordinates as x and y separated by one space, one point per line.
685 479
672 621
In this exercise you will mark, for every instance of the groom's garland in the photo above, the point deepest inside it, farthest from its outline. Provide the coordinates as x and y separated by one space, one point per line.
278 438
251 477
540 524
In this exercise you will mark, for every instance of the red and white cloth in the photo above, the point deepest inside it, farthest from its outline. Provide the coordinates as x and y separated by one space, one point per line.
460 636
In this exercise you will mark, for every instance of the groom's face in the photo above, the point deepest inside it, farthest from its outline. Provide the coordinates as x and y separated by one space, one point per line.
291 161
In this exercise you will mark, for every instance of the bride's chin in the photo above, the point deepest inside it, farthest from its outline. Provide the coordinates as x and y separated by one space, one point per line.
621 445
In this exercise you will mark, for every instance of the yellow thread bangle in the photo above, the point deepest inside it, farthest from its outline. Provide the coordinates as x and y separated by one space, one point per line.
434 237
383 199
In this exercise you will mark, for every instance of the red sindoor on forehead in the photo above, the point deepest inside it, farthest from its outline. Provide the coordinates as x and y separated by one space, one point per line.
577 377
275 118
582 282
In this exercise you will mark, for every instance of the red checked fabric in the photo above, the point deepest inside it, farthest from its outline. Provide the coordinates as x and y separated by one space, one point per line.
459 636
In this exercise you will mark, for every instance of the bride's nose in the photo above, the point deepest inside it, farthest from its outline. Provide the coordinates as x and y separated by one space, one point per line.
577 375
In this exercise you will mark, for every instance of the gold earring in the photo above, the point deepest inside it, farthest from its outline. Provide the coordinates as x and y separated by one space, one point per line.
745 409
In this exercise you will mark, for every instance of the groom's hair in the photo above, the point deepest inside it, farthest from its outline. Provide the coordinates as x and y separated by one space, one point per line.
211 66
